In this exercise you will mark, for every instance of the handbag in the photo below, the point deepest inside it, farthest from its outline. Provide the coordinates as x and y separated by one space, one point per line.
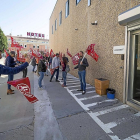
67 68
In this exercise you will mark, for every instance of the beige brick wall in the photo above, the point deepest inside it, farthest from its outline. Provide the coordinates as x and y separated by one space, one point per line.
105 35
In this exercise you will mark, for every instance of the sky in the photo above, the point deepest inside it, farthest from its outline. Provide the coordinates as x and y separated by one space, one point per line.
21 16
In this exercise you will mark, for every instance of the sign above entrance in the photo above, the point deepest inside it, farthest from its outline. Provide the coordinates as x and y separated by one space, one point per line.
119 49
35 35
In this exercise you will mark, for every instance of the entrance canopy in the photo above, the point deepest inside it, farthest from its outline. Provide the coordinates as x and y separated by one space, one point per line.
129 16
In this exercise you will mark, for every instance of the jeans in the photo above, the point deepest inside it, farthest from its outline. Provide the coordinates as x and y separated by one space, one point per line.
33 68
10 78
64 74
82 75
40 79
47 72
57 74
25 73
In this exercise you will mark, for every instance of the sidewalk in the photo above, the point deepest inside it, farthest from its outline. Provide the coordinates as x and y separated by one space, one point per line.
117 120
65 114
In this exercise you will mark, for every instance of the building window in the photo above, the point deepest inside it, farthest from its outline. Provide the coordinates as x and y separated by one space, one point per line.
25 46
89 2
38 47
56 24
77 1
27 40
60 18
52 29
67 8
33 46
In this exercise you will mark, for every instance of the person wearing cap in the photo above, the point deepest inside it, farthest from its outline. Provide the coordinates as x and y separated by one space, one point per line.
55 66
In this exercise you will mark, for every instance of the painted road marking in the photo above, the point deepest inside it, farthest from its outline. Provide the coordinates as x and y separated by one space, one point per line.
110 110
114 124
135 137
92 97
76 86
86 92
77 89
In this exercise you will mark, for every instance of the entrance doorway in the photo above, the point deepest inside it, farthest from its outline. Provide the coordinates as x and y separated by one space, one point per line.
134 68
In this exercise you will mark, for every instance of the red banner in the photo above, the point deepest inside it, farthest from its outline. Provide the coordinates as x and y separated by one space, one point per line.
52 53
20 57
6 53
23 85
15 44
75 59
36 54
90 51
69 53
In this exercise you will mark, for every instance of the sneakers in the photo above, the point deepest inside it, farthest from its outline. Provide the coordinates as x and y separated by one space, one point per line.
57 81
9 91
84 92
50 80
64 85
40 88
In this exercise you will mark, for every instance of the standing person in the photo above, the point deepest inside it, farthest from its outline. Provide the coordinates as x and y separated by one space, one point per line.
9 70
33 63
82 72
41 70
55 66
64 73
67 62
50 61
10 63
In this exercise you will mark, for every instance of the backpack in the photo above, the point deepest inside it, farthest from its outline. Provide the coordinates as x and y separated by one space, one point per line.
67 68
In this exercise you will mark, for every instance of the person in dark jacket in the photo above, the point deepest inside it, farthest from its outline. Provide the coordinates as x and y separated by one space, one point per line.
10 63
8 70
41 70
82 72
33 64
64 73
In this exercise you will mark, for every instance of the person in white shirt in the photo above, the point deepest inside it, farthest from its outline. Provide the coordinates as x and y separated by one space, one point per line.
55 66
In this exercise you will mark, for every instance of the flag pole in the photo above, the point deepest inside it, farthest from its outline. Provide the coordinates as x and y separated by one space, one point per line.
84 56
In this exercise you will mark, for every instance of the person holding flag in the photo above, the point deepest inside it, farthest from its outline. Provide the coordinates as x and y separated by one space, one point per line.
55 66
82 64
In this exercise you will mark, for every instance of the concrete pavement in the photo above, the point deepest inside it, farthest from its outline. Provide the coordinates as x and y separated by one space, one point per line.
65 114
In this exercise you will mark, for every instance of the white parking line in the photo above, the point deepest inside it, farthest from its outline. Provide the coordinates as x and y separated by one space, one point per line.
136 136
110 110
86 88
92 97
86 93
114 124
93 104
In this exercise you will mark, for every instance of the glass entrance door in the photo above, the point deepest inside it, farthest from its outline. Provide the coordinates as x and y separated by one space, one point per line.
136 83
134 68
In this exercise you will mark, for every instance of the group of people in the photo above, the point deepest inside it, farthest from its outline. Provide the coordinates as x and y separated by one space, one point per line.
55 66
42 69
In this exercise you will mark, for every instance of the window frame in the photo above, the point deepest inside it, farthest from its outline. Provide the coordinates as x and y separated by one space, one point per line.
52 29
55 24
67 9
77 2
89 2
60 18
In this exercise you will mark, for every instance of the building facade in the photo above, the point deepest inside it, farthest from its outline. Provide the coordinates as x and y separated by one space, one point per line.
77 24
29 42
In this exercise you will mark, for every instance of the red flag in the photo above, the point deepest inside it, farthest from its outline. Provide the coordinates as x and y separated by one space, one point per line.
75 59
52 71
6 53
20 57
52 53
15 44
69 53
23 85
36 54
90 51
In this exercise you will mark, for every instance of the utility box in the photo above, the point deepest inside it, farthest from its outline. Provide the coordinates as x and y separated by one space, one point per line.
101 85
